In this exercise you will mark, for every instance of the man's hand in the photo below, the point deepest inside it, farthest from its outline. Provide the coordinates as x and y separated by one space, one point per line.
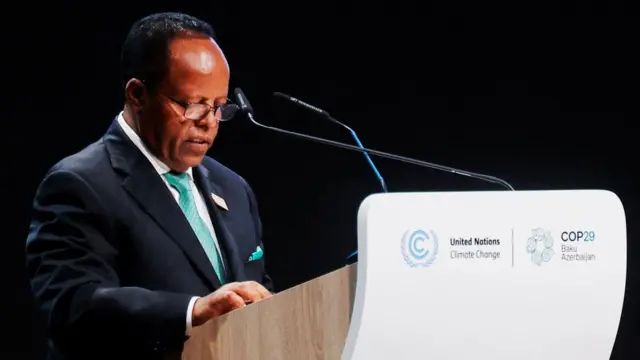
229 297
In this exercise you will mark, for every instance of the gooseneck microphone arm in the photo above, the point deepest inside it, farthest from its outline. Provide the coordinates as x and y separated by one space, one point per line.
326 115
383 184
248 110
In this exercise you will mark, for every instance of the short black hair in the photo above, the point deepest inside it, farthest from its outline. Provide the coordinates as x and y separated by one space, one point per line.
145 49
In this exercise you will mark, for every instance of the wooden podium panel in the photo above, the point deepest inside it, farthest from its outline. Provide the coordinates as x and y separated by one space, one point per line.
307 322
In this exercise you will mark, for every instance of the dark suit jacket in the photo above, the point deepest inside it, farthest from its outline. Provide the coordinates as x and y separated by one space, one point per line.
112 259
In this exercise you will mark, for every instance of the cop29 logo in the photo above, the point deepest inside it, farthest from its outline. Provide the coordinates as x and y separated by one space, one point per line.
540 246
419 248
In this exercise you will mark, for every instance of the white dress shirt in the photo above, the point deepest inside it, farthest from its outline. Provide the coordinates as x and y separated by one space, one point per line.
162 168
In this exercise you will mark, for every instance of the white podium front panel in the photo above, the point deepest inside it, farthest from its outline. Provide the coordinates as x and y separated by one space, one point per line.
488 275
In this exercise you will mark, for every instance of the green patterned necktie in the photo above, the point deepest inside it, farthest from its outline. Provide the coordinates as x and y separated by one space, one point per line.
187 202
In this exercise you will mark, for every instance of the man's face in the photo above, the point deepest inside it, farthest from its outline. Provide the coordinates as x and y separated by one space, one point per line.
197 72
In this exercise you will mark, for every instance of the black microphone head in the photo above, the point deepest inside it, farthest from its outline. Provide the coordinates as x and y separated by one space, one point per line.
301 103
281 95
242 101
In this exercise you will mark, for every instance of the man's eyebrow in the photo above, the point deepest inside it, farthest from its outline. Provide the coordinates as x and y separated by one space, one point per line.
204 99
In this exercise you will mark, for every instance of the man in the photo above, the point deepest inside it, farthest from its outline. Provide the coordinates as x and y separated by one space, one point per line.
139 237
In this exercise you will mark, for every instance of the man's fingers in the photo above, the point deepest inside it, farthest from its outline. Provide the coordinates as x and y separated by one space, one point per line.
247 293
234 300
255 291
263 291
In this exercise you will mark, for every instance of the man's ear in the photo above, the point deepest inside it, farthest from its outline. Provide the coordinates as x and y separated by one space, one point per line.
135 93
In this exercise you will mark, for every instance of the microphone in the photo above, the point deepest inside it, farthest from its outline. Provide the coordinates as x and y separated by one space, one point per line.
245 107
326 115
248 110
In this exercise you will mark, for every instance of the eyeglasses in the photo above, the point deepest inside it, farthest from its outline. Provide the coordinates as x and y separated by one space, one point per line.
198 111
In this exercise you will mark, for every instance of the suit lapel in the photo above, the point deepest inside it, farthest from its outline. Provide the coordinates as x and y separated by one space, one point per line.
233 263
144 184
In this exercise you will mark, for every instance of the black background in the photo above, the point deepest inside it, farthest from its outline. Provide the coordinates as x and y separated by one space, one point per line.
544 102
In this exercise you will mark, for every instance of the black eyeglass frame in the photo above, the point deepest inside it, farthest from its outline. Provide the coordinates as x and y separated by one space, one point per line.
227 110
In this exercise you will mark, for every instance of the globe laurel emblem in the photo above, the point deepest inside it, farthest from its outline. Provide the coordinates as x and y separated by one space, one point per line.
419 248
540 246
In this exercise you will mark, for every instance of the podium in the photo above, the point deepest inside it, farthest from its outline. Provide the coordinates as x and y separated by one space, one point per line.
450 275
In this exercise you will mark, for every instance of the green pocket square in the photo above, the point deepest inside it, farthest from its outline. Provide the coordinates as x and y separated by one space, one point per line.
257 255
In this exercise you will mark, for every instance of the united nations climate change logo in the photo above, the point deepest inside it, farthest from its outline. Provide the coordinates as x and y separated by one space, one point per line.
419 248
540 246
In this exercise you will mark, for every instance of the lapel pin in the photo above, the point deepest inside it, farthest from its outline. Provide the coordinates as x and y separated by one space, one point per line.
219 201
